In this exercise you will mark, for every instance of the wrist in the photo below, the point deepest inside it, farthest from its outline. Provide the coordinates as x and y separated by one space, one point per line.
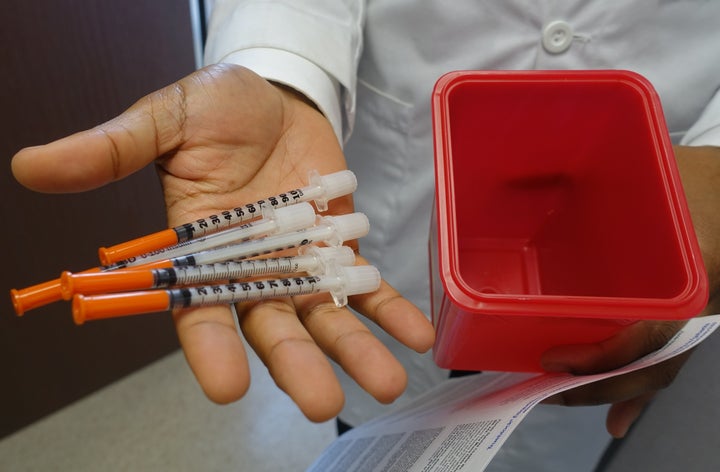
296 95
297 73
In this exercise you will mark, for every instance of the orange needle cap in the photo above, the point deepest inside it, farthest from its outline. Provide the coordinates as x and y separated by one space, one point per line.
135 247
104 282
116 305
35 296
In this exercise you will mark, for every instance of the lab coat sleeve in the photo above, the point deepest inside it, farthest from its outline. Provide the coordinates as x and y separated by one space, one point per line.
706 130
312 46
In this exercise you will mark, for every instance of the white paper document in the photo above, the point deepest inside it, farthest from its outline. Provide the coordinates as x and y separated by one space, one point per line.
461 424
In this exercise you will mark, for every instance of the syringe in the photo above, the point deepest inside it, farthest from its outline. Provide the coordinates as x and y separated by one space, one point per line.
312 259
340 283
321 189
274 221
332 230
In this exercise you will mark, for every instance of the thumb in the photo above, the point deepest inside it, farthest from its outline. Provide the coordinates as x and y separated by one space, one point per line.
111 151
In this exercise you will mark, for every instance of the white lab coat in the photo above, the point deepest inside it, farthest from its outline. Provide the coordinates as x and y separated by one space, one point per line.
370 67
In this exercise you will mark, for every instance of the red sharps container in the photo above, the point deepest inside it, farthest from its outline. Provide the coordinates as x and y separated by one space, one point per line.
559 217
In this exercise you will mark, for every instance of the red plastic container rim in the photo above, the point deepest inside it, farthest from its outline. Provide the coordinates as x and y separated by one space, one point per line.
687 303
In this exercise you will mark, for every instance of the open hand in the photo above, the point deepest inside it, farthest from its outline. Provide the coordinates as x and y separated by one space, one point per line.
630 393
222 137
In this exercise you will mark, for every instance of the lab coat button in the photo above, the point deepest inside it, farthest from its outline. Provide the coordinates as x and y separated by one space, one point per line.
557 36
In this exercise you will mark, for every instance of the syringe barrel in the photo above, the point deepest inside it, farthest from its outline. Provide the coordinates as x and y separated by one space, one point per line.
321 189
244 291
332 229
341 284
274 221
312 260
192 275
346 281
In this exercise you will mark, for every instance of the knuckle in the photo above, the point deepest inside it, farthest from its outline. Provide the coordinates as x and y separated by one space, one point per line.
665 378
168 112
666 372
660 334
319 311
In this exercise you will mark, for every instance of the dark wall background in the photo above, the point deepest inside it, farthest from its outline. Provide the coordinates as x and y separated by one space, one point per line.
68 65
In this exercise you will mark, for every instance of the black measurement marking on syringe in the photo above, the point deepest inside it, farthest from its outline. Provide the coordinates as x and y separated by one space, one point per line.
224 270
211 223
242 291
193 241
304 242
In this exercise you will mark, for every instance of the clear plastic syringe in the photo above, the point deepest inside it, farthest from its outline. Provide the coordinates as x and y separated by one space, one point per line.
274 221
340 283
312 259
321 189
332 230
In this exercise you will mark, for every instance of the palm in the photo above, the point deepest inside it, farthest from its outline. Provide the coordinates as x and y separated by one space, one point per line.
240 143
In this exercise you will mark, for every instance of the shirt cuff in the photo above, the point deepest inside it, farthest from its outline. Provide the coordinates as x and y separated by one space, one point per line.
709 137
298 73
706 130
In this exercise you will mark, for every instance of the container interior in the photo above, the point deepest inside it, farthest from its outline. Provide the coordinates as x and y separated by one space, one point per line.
559 189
